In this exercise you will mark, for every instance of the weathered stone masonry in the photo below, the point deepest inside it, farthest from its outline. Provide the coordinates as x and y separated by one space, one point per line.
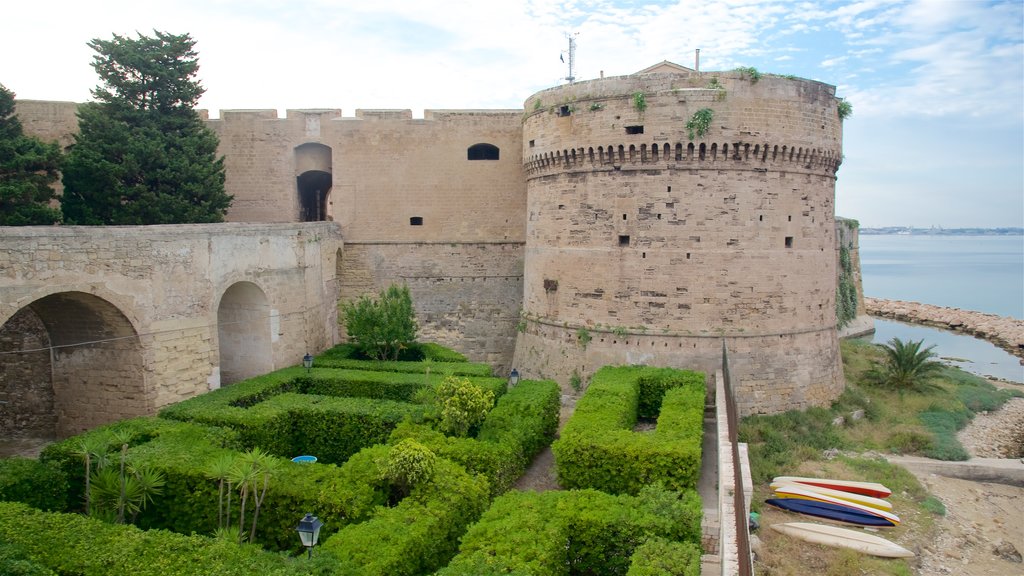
576 232
141 317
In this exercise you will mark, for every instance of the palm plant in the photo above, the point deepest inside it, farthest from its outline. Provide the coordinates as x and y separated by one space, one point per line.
906 366
220 470
92 449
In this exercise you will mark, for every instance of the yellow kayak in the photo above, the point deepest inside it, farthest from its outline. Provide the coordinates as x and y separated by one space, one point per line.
780 488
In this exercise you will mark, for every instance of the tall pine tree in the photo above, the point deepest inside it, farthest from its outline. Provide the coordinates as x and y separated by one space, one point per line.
28 169
142 154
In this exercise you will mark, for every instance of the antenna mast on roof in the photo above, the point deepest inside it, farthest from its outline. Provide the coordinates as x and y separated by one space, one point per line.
572 57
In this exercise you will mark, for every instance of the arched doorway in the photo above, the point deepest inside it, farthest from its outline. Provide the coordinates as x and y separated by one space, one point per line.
72 362
314 181
244 333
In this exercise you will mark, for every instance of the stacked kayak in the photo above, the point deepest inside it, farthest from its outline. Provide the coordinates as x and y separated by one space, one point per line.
859 503
832 500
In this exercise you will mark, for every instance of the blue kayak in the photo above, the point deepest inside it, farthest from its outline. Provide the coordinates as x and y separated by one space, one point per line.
829 511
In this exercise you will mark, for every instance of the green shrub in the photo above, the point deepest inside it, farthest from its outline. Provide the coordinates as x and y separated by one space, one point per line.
521 425
943 424
463 406
14 561
382 327
598 449
37 484
908 442
659 557
561 533
418 535
73 544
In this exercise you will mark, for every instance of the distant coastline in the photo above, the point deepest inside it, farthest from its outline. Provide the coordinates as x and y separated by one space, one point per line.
939 231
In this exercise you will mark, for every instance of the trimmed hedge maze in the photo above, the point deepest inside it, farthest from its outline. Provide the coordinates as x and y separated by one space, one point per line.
354 415
598 448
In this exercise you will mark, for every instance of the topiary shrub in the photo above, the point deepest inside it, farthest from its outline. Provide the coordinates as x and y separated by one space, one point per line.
35 483
598 448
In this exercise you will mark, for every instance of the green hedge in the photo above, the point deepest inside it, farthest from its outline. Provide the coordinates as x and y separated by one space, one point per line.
521 424
417 352
277 413
418 535
573 532
72 544
658 557
598 448
34 483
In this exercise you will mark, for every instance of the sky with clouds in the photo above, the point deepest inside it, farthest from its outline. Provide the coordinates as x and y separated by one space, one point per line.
937 86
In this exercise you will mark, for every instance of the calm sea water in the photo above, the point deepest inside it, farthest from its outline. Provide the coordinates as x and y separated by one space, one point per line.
982 273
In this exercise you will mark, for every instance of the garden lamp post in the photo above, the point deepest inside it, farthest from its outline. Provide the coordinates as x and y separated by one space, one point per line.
307 361
309 531
513 378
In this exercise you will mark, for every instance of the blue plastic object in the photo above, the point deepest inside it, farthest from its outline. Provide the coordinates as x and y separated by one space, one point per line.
304 459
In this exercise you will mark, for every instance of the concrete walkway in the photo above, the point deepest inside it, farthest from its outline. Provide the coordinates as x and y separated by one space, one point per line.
998 470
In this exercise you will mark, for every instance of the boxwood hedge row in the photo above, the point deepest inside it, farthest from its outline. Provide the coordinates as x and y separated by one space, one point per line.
352 497
57 543
329 413
34 483
598 448
575 532
521 424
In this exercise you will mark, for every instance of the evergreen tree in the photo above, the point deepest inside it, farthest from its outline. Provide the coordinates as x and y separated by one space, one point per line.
142 154
28 169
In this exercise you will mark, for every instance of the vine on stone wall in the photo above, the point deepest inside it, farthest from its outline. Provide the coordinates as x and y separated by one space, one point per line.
700 122
639 102
846 290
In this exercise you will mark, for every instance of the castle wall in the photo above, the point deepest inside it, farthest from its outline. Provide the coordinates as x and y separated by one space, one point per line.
636 229
599 221
467 295
133 311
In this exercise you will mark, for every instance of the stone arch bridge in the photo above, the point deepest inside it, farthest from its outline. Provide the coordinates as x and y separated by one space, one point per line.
103 323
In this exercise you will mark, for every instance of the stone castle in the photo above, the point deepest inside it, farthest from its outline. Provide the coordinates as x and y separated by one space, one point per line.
603 223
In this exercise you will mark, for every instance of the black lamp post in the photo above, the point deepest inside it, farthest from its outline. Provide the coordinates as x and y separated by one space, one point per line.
307 361
513 378
309 531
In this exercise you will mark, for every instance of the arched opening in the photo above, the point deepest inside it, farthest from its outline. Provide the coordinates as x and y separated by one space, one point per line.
482 152
244 333
72 362
313 165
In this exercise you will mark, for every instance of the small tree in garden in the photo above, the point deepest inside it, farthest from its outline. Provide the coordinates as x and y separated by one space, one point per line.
409 463
906 366
251 472
382 327
463 405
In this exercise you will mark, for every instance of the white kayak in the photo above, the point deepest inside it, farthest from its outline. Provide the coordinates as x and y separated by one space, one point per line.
843 538
872 489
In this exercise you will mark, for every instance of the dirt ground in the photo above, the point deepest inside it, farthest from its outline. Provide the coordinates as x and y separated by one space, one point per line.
979 516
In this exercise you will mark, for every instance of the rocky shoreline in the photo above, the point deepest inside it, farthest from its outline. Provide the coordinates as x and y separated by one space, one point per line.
1005 332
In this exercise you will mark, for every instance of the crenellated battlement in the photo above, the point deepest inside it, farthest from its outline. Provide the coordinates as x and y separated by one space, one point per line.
737 156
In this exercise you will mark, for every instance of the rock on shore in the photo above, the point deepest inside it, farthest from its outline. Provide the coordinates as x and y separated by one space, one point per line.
1005 332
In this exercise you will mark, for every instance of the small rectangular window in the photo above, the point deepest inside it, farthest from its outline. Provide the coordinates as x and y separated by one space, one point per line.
531 143
634 129
564 111
416 221
789 241
623 240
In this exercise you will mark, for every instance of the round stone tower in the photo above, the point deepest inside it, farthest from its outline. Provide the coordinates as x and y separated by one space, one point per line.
669 212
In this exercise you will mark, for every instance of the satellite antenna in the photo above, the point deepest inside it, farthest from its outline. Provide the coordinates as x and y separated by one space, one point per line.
572 57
